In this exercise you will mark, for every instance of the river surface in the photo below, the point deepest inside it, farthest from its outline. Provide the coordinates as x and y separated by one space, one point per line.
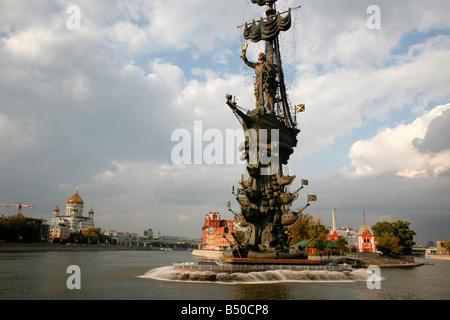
147 275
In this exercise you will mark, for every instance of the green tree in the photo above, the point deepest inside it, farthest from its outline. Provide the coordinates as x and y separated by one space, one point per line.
318 231
389 244
342 245
75 238
301 228
383 227
394 237
446 245
93 236
405 235
18 229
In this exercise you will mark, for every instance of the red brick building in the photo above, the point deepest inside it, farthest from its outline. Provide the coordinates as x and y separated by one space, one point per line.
217 232
366 239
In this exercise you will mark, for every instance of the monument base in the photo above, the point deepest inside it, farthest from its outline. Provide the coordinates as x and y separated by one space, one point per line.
271 261
207 268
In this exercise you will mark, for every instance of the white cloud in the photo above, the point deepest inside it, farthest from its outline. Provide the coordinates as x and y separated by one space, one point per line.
174 198
152 27
346 98
133 38
393 150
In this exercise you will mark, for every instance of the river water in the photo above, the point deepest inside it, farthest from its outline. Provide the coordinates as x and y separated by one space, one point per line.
147 275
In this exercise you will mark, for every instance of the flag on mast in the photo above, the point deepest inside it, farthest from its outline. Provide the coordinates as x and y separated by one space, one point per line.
299 108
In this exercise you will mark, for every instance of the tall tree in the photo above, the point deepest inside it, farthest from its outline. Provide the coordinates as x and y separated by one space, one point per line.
300 230
389 244
318 231
394 237
342 244
383 227
17 228
446 245
405 235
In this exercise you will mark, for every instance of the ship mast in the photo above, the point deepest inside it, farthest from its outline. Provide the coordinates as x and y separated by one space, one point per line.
255 32
270 14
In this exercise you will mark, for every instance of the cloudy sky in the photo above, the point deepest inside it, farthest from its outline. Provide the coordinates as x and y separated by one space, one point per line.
95 105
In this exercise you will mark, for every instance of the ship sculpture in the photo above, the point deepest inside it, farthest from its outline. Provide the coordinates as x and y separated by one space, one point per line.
270 138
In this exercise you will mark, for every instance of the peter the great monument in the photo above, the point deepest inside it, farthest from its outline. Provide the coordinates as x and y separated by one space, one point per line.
270 138
262 195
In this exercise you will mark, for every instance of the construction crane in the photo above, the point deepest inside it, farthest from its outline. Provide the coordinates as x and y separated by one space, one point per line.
18 206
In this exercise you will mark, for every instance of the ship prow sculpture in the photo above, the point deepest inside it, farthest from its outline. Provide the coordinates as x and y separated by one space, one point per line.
270 138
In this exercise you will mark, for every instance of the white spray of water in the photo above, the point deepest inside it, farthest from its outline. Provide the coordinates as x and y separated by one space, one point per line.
271 276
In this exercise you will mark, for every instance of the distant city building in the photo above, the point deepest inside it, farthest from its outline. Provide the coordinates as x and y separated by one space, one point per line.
440 248
72 219
112 233
119 236
58 232
148 233
439 252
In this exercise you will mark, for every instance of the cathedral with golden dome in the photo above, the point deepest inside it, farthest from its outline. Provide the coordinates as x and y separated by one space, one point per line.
72 219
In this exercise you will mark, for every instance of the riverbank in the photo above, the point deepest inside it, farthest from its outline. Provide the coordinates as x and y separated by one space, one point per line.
59 247
388 262
445 257
364 260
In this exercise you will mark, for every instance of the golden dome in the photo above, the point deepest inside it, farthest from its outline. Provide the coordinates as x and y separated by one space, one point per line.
76 199
74 209
91 211
56 209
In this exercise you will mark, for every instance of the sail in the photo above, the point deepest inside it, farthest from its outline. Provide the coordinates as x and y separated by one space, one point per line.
264 2
267 30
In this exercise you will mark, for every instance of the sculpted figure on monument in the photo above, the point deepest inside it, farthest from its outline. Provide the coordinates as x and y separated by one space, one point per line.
265 82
